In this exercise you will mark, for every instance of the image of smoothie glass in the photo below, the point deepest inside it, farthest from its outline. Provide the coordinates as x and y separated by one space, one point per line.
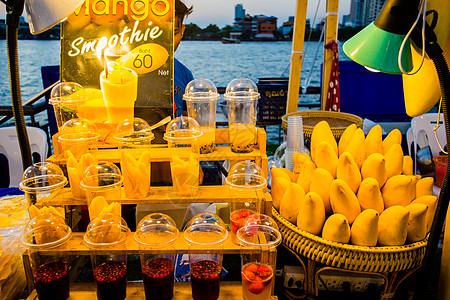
242 97
183 135
247 180
259 236
105 237
80 136
201 99
46 237
205 234
119 89
156 234
134 137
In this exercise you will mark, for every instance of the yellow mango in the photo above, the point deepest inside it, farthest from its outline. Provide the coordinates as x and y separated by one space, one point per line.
397 191
348 171
322 133
417 227
407 168
374 140
357 147
290 204
336 229
364 231
34 211
343 200
57 211
304 176
326 158
321 181
369 195
145 58
71 160
394 160
375 166
299 159
393 226
278 188
394 137
311 215
431 202
346 137
96 207
279 172
86 160
424 187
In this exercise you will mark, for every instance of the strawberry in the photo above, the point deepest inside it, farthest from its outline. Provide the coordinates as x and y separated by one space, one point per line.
245 213
264 272
248 276
235 216
252 268
256 287
236 224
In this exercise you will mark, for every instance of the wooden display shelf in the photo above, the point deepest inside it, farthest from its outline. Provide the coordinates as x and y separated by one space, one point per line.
229 290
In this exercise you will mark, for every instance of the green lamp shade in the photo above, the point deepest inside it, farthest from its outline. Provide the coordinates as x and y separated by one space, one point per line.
378 49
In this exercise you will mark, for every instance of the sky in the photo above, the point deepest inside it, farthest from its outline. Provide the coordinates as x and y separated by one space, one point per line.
221 12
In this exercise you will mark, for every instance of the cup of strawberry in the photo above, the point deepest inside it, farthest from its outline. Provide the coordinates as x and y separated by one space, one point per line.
237 218
256 281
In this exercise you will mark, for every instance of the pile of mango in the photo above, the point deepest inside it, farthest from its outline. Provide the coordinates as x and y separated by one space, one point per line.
361 190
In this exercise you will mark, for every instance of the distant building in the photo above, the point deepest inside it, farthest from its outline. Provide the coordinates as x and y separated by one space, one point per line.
346 20
239 12
357 12
266 28
287 26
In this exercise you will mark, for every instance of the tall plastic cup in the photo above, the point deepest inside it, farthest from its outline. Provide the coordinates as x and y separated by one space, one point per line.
46 237
242 96
79 136
134 137
106 236
201 98
205 234
155 235
244 177
259 236
119 89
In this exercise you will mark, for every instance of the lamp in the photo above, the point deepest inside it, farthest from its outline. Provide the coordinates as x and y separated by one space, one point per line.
377 46
399 14
42 14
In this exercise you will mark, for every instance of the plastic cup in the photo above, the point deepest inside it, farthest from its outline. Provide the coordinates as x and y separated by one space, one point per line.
106 236
79 136
205 234
201 99
259 236
46 237
295 140
241 95
102 179
134 137
440 165
155 235
119 93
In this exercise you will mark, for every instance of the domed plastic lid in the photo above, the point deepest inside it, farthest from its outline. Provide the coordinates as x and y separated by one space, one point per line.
156 230
101 174
201 90
107 230
67 92
241 89
78 130
259 230
205 229
244 176
46 231
182 129
42 176
134 131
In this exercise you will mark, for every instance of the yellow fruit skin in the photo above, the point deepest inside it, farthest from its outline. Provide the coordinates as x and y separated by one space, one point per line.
407 168
304 177
279 172
96 207
375 166
299 159
322 133
336 229
326 158
374 140
392 226
431 202
364 231
343 200
321 181
279 186
357 147
348 171
291 202
424 187
369 195
311 215
394 137
346 138
397 191
394 160
417 227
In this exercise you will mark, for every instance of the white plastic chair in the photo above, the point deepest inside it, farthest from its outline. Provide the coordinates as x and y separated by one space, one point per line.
9 146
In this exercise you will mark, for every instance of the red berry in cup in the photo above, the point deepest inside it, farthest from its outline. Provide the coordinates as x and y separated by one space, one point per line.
245 213
252 268
256 287
264 272
248 276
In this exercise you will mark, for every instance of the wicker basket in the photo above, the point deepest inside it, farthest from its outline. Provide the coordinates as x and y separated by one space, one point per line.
338 121
350 257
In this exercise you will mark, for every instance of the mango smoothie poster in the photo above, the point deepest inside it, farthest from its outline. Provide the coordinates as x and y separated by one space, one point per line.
123 49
